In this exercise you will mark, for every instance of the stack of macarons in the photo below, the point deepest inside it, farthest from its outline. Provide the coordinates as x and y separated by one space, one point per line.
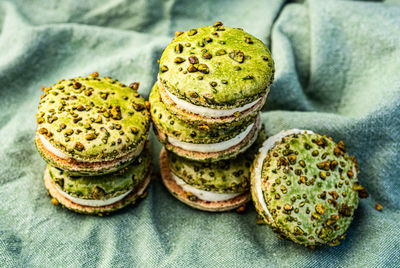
212 83
92 132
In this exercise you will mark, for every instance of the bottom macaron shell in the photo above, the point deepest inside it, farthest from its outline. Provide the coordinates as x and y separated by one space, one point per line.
78 168
136 193
183 196
213 156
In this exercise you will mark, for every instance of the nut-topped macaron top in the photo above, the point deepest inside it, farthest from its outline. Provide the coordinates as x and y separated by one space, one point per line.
216 66
92 118
310 188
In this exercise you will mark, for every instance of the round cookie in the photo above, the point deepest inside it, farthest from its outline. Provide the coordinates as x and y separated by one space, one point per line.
215 74
91 125
188 198
305 187
218 186
100 194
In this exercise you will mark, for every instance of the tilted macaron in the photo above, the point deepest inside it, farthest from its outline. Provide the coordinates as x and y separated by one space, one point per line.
306 187
215 75
201 142
100 194
218 186
91 125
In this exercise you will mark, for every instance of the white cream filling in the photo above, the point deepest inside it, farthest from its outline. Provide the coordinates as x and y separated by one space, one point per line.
49 147
201 194
208 112
214 147
93 202
268 145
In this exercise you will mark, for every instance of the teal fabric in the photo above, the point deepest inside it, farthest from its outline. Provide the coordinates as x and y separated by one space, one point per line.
338 66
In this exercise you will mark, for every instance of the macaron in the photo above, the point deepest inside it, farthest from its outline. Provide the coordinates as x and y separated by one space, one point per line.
305 187
215 75
219 186
100 194
91 125
202 142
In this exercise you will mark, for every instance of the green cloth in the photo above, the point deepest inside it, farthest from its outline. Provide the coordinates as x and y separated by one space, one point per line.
338 66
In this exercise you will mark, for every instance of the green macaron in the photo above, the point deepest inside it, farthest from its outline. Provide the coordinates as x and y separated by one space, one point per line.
218 186
90 125
200 143
306 187
217 67
105 193
225 176
170 125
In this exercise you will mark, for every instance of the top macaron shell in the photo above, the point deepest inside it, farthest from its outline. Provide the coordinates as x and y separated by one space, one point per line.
92 118
217 67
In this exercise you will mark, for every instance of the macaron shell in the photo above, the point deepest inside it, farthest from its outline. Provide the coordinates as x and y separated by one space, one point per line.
78 168
183 196
213 156
92 118
221 122
171 125
138 192
105 186
225 176
217 67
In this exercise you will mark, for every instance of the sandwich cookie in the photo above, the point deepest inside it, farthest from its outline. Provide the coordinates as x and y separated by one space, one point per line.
91 125
201 143
305 187
217 186
215 75
100 194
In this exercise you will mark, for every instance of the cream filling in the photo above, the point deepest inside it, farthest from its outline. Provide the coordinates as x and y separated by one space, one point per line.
49 147
268 145
201 194
208 112
93 202
215 147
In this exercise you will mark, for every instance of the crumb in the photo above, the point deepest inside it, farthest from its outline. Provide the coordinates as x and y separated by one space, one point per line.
241 209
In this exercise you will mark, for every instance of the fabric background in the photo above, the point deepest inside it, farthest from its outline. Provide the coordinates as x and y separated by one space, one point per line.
338 73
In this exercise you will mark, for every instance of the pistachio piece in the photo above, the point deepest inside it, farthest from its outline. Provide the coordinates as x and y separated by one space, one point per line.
203 68
192 32
179 60
220 52
237 55
178 48
90 136
134 85
193 60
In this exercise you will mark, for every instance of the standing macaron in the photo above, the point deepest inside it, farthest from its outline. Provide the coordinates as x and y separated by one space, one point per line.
306 187
91 125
